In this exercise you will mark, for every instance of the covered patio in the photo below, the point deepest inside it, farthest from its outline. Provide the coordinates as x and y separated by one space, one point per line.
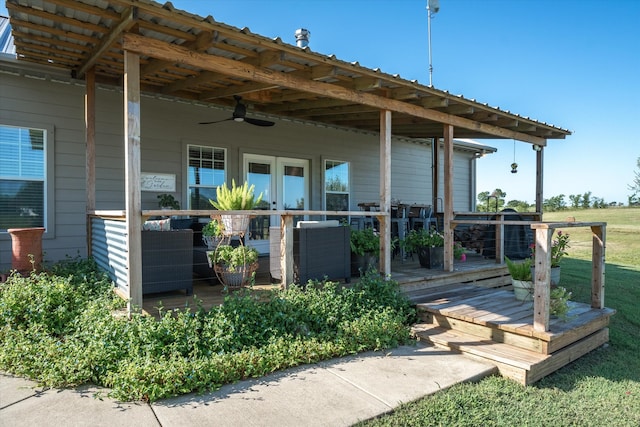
148 50
146 47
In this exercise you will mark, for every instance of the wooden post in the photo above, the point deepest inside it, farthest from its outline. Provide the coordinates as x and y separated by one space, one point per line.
542 283
448 197
133 206
598 266
90 149
539 179
385 191
500 239
435 173
286 250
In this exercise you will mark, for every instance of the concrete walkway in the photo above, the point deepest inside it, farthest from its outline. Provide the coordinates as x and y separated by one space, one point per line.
338 392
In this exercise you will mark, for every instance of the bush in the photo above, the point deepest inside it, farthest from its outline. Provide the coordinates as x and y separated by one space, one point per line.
61 331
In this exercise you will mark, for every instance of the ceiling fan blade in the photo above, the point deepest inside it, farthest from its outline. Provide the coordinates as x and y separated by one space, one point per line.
258 122
217 121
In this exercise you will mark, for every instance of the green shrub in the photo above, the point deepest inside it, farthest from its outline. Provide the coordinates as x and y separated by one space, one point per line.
61 331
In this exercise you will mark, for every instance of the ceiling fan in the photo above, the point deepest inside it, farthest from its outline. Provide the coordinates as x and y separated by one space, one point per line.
239 115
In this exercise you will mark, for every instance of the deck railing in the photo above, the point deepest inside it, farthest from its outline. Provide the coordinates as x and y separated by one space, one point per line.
543 242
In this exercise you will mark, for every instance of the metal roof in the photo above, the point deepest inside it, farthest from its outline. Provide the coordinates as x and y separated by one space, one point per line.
197 58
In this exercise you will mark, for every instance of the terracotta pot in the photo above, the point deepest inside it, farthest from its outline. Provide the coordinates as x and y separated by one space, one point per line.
26 242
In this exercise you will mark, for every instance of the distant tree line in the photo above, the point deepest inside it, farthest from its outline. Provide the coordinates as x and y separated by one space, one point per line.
496 201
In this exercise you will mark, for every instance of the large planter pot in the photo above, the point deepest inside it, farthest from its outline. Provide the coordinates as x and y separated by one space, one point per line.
235 225
360 264
431 257
523 289
555 275
26 242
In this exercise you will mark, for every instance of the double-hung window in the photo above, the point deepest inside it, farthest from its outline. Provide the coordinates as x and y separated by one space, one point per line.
23 190
336 186
207 170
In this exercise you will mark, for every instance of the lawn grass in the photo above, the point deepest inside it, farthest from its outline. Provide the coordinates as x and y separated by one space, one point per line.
601 388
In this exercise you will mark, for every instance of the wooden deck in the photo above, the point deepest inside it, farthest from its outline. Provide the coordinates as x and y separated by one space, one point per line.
490 324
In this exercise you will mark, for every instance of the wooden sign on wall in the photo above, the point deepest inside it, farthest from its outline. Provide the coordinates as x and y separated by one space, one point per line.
159 182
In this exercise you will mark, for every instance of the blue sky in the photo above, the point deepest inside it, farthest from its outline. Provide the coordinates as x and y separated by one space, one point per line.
571 63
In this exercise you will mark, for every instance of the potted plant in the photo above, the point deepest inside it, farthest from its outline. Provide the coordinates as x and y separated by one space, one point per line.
211 233
235 199
428 244
521 278
559 247
365 250
234 266
167 201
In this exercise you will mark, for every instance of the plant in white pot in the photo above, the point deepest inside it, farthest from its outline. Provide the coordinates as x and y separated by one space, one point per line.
521 279
234 266
559 247
236 198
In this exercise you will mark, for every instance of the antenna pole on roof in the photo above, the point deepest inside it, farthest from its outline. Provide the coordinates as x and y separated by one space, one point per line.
433 6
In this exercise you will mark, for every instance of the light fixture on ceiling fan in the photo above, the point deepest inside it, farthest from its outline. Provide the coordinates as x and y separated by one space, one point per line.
240 115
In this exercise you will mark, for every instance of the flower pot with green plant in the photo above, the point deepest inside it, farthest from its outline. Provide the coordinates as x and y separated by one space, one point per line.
521 278
212 233
428 244
365 250
236 198
167 201
234 266
559 247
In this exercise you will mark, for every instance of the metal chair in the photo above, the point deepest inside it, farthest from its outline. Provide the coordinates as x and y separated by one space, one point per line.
421 216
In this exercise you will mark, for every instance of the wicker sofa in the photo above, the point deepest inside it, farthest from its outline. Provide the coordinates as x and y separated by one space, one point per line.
167 261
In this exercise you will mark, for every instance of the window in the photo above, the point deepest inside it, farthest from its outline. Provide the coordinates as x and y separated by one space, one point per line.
336 185
207 170
22 177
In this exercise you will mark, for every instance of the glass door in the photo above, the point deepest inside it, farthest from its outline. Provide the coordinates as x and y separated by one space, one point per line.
284 184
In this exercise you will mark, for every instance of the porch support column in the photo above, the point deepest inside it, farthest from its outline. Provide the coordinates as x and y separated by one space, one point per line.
385 191
90 137
539 177
448 197
90 148
435 173
133 206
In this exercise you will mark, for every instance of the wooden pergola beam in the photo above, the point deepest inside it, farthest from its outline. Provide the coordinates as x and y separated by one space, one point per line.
127 21
177 54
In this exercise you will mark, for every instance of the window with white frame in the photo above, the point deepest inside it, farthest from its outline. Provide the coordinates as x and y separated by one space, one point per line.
336 185
206 171
22 177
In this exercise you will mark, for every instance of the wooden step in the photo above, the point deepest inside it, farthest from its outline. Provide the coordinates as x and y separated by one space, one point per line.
496 315
523 366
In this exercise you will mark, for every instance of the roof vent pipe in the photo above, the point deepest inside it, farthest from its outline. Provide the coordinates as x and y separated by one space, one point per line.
302 37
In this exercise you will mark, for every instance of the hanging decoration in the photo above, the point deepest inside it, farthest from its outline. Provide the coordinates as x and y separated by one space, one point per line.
514 165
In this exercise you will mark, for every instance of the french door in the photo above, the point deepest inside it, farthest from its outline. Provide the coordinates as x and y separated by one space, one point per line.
284 184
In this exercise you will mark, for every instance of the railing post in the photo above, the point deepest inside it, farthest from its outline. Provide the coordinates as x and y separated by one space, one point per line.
598 266
286 249
541 288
